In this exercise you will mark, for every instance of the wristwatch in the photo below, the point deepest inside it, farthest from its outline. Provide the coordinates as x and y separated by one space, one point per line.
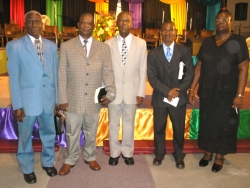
239 95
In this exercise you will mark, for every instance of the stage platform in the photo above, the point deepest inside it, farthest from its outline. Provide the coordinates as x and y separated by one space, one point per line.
143 134
10 146
190 146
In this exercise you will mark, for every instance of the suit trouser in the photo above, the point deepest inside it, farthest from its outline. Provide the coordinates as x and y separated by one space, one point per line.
177 117
74 124
25 152
127 111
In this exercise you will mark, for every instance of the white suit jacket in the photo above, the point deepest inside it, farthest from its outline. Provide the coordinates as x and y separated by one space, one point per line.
130 79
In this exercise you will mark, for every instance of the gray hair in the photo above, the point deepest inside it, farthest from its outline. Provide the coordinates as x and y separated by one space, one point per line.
31 12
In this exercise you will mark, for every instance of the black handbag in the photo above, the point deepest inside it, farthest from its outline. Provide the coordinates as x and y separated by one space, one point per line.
58 124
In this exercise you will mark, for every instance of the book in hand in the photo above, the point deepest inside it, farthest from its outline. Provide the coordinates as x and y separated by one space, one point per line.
181 70
100 92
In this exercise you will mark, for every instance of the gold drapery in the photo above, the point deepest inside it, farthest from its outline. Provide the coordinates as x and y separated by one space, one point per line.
101 7
143 126
173 1
178 12
3 61
178 16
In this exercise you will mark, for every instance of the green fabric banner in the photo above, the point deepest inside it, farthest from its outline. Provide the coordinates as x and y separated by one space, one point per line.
243 130
210 16
54 10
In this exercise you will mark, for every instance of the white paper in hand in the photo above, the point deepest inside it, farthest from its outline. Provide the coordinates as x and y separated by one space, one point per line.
181 67
174 101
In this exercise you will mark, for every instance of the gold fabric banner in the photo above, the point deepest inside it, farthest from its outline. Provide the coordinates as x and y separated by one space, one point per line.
143 126
3 61
173 1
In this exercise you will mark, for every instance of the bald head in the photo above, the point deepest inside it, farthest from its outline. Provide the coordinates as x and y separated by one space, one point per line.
86 14
124 23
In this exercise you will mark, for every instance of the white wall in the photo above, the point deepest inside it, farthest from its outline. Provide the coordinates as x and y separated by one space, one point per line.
245 25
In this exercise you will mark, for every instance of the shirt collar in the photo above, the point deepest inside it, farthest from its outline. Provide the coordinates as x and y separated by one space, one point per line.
171 46
127 39
33 39
89 40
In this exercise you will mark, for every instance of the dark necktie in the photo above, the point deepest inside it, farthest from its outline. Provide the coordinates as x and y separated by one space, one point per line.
124 52
168 54
85 46
39 49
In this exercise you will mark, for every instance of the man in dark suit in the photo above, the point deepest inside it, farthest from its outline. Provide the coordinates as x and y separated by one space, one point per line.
32 67
164 65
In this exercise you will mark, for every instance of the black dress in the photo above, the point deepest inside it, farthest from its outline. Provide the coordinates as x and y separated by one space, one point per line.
217 88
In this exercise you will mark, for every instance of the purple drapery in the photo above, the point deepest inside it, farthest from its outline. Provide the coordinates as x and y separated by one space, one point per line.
136 10
9 129
134 1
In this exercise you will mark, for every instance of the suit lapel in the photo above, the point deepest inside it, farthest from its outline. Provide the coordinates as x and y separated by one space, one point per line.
163 59
175 61
31 49
93 48
116 52
132 50
46 49
78 46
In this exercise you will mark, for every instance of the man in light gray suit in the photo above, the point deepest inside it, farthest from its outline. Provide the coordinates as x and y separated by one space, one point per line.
129 60
84 64
33 89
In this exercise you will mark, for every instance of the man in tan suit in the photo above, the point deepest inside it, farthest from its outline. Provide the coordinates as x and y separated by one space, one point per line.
84 63
129 60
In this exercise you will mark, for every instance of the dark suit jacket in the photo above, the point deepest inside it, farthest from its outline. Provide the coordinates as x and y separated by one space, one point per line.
163 76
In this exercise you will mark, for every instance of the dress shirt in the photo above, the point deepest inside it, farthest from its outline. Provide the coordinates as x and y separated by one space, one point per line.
127 39
88 43
33 39
171 48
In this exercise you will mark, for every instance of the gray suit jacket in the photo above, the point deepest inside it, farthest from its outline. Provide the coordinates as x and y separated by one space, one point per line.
79 76
163 76
130 79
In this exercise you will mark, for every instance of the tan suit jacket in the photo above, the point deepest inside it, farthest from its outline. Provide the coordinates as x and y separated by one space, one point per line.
79 75
130 79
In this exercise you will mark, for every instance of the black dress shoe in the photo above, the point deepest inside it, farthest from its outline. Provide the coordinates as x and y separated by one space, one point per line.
128 160
180 164
203 162
113 161
158 160
217 167
51 171
30 178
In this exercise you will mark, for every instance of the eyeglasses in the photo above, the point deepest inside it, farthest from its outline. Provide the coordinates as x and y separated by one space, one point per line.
224 19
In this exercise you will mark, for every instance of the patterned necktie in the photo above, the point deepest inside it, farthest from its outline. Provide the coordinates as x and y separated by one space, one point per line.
169 54
39 49
85 46
124 52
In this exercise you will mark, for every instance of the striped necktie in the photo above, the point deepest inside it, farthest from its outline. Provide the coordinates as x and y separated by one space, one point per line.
39 49
168 54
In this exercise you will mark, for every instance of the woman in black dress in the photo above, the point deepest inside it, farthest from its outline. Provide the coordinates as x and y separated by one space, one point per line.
221 72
